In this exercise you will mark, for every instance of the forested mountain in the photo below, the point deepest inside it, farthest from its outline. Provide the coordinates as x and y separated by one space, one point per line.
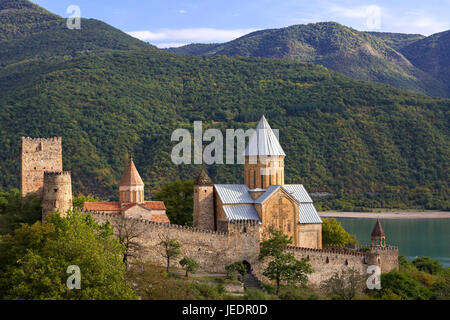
369 56
432 55
29 32
340 135
397 41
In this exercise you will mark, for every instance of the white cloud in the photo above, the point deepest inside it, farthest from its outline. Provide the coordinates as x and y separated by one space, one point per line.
163 45
361 12
182 11
193 35
420 24
373 17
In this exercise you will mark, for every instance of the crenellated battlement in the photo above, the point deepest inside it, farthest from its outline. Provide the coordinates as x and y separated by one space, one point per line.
28 139
330 251
53 174
145 222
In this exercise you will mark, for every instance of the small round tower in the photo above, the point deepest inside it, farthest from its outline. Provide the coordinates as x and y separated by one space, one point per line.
57 193
204 202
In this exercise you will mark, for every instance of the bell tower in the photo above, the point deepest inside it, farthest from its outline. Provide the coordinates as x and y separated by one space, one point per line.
204 215
264 158
378 236
131 187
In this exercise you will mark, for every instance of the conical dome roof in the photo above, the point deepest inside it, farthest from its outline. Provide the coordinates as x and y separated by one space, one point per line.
378 230
131 176
264 142
203 179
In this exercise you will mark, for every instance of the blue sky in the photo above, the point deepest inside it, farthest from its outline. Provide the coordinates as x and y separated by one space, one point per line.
168 23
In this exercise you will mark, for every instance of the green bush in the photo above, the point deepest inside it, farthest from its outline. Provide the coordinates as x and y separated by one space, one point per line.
254 294
428 265
403 285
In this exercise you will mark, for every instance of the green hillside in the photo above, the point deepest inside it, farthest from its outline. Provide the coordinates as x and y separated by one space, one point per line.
340 135
432 55
360 55
397 41
29 32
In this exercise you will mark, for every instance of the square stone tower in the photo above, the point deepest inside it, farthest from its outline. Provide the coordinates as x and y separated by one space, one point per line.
38 156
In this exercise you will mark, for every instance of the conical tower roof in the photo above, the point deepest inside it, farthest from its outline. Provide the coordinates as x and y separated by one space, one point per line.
378 230
264 141
203 179
131 176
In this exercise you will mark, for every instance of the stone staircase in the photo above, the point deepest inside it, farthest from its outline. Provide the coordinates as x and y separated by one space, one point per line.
250 281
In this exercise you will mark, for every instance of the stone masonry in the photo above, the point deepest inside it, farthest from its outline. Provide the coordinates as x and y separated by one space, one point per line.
38 156
240 241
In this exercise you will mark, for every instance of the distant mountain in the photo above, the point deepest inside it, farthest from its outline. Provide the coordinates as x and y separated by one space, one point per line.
397 41
27 31
360 55
109 95
432 55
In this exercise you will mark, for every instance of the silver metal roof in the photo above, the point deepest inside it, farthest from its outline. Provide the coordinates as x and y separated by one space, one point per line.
233 193
241 213
308 214
269 191
263 142
298 192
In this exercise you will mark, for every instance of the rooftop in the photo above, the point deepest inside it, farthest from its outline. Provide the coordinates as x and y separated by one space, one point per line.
131 176
264 142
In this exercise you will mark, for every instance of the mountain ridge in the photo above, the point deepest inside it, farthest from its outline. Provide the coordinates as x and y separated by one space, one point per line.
340 135
360 55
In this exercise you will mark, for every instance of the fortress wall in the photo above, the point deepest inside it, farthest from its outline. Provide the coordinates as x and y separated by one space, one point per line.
388 258
210 248
325 263
239 241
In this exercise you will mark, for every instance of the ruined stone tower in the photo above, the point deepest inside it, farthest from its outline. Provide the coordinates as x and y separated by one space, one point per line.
57 193
264 159
38 156
204 202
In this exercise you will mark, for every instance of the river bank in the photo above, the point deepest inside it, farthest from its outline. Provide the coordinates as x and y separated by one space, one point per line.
388 215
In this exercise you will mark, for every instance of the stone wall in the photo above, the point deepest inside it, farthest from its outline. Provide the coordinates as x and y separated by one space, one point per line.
209 248
388 258
38 156
239 241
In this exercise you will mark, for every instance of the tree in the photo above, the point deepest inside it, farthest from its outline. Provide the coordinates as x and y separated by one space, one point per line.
344 285
403 285
283 266
128 232
15 209
35 258
78 201
179 201
189 264
428 265
333 234
171 249
233 267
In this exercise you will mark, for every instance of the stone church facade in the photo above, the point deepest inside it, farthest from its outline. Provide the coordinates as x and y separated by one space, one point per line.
264 197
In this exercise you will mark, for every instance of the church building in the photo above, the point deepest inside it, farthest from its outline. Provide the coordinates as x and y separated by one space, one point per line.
263 197
131 202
